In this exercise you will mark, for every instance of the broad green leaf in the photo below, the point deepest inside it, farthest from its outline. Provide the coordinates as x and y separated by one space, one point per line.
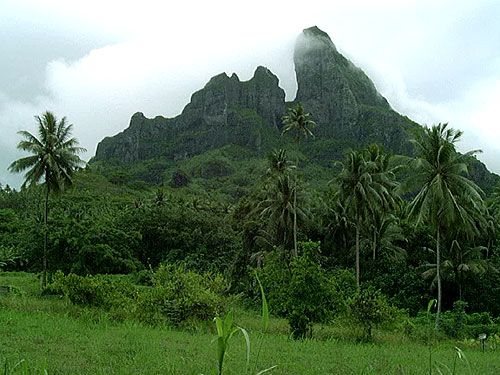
431 303
219 325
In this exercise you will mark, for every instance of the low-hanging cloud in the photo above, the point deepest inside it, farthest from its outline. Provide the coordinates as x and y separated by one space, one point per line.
160 56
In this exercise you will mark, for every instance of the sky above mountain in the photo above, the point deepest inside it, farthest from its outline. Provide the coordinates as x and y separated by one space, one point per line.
98 62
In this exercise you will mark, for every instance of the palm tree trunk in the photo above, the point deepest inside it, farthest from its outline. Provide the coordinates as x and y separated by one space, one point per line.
46 240
374 243
295 251
438 271
357 254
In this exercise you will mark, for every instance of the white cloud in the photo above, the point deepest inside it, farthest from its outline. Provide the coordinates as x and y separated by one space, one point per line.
164 52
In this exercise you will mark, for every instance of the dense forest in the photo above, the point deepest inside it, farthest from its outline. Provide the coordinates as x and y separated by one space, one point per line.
373 216
363 223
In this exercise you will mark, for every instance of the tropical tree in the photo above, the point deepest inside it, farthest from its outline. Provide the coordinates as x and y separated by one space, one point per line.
299 124
460 260
278 164
363 188
280 210
382 224
383 235
445 196
54 158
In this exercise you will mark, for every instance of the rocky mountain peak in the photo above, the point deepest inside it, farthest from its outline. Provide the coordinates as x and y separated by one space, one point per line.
329 85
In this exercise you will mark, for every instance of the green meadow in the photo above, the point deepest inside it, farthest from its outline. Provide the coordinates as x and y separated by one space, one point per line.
49 333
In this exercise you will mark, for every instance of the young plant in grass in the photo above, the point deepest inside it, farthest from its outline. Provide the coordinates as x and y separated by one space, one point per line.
431 303
265 324
226 330
370 308
23 368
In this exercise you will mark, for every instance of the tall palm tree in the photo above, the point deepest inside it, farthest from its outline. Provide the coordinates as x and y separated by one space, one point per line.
54 158
278 164
298 123
445 197
383 236
382 222
363 190
280 210
460 260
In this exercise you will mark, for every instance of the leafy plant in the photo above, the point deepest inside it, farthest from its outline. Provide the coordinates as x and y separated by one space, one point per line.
226 330
308 285
370 308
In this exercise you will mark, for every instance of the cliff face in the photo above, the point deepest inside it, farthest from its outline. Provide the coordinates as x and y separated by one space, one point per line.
225 111
330 86
344 102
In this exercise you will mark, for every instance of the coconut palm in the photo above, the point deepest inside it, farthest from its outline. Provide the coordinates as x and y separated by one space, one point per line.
298 123
382 224
280 210
279 164
383 235
363 191
445 196
54 158
459 261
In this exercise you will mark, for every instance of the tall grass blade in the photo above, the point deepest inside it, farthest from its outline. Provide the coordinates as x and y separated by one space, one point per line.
247 339
265 308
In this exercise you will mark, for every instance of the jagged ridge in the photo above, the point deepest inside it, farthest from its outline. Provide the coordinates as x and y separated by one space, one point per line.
341 98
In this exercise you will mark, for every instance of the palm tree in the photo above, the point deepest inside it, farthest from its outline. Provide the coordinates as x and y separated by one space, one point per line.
459 261
54 158
363 190
384 234
382 223
446 197
278 211
278 164
297 122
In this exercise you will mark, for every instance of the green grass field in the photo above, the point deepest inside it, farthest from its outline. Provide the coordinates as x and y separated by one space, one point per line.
49 332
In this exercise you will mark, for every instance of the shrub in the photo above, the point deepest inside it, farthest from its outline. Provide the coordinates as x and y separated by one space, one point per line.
179 295
312 296
370 308
294 288
453 322
275 276
176 295
107 291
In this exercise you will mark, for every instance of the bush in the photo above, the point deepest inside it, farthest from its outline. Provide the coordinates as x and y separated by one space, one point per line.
107 291
294 289
312 296
453 322
275 276
179 296
176 295
458 324
370 308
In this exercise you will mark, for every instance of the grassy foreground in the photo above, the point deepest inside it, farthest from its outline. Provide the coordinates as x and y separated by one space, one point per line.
50 332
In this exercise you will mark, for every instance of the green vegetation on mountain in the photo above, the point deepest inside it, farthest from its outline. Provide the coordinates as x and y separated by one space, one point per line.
173 219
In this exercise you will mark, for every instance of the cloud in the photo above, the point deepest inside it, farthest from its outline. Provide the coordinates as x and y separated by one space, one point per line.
435 66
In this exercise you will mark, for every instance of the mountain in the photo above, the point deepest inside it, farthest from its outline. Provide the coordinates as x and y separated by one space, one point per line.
341 98
225 111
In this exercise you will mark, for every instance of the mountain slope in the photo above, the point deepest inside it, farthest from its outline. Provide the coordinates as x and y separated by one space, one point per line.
341 98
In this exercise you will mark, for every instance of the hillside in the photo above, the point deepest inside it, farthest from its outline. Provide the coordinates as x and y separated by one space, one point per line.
227 112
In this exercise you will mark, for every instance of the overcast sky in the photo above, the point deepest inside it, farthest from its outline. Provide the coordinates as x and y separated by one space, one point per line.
98 62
